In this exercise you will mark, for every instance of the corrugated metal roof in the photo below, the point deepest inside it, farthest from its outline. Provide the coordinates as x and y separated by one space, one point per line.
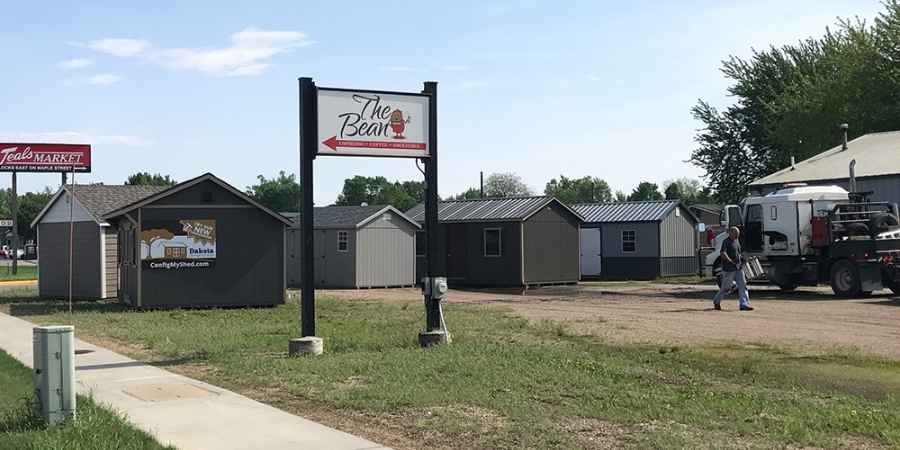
649 211
485 210
875 154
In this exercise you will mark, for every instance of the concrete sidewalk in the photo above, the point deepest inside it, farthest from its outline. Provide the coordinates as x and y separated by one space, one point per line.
178 410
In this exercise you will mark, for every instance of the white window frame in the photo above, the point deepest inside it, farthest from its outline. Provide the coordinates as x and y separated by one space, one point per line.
345 240
484 233
633 240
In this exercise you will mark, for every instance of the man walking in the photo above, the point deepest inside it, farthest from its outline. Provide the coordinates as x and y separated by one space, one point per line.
730 255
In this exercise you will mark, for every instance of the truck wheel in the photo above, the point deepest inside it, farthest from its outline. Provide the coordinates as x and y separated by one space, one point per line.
882 222
845 279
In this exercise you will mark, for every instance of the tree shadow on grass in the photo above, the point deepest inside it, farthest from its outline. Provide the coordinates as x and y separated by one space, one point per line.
22 418
47 307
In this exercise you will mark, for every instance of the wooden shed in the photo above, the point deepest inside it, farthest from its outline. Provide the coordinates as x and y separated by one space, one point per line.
637 240
357 247
94 246
199 243
514 241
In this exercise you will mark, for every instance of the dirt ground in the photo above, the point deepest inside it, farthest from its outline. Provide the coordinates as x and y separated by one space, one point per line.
653 313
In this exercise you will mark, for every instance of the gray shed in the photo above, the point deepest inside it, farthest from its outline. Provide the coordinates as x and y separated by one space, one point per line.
877 157
513 241
95 243
357 247
638 240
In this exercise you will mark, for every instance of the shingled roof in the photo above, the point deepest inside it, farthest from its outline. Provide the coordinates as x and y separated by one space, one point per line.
646 211
99 199
488 209
346 216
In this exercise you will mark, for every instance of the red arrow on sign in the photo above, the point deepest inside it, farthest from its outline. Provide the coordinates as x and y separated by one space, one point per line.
333 143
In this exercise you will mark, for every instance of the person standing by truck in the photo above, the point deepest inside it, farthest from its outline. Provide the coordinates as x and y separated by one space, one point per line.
730 254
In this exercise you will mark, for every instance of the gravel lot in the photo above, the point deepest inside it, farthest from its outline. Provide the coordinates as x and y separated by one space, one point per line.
642 312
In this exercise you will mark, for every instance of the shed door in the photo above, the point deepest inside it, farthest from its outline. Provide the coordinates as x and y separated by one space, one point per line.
590 251
456 251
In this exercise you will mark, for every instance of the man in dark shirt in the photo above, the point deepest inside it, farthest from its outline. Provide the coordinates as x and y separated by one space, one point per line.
730 255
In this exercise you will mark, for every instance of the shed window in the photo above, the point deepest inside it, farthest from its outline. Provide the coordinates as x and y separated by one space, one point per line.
629 241
492 238
421 243
343 241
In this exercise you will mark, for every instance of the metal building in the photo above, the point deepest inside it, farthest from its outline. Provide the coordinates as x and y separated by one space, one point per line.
637 240
199 243
877 168
517 241
357 247
95 245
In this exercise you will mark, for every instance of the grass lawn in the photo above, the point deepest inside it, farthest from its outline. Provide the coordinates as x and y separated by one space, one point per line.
505 382
25 273
94 429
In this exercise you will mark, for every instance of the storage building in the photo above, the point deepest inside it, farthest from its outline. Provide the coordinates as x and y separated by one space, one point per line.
199 243
877 168
95 246
357 247
517 241
638 240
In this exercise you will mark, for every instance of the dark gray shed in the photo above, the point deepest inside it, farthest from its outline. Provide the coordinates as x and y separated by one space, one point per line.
637 240
95 244
200 243
517 241
357 247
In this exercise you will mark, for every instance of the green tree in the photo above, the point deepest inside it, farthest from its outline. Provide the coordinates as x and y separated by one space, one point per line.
148 179
645 191
469 194
30 205
621 196
790 100
380 191
688 190
281 193
586 189
505 184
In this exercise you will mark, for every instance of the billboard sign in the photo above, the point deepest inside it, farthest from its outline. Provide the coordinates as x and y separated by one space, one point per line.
17 157
372 123
178 244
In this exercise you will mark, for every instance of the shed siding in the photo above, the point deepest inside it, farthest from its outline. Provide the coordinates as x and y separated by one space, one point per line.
647 245
334 268
677 236
551 247
195 195
633 268
54 262
385 252
248 266
505 270
111 265
59 211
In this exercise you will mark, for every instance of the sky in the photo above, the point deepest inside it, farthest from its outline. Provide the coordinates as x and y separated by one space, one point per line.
538 88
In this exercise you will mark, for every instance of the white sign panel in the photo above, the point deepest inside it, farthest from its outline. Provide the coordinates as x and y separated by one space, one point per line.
366 123
5 223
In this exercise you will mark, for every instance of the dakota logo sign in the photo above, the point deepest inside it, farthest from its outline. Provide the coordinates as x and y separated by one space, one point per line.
371 123
45 157
182 244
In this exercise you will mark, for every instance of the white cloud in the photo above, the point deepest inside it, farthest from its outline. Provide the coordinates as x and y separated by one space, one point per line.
75 137
103 79
121 47
76 63
247 55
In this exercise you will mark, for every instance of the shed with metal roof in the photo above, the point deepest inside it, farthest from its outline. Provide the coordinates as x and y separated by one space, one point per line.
514 241
356 247
877 168
94 245
637 240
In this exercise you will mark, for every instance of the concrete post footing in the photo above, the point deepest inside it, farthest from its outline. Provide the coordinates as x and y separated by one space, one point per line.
429 338
309 345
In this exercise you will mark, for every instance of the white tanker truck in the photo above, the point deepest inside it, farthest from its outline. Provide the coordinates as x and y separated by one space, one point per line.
806 235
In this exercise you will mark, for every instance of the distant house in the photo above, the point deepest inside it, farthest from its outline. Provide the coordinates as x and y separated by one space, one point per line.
877 168
356 247
95 245
518 241
637 240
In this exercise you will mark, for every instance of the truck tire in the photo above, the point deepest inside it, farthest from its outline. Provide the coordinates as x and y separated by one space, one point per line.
882 222
845 279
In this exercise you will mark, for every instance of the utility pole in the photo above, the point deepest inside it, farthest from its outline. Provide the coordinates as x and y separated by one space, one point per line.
481 178
14 205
